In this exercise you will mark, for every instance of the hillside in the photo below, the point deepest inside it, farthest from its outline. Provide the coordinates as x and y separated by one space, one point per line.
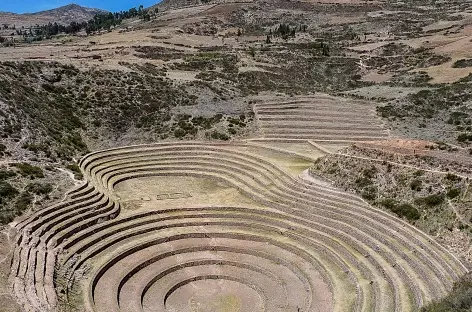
62 15
176 4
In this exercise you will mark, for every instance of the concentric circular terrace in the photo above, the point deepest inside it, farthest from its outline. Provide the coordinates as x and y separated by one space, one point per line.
221 227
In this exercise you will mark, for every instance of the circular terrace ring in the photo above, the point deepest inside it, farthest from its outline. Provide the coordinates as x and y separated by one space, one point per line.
216 293
268 277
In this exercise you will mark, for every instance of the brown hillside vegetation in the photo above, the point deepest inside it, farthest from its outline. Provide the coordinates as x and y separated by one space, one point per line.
61 15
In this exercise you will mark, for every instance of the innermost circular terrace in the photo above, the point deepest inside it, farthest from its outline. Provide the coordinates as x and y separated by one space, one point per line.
210 294
163 192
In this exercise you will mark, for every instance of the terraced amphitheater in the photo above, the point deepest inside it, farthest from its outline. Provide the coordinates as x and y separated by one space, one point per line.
236 156
202 226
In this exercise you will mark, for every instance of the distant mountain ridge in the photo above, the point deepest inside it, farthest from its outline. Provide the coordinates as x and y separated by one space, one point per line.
62 15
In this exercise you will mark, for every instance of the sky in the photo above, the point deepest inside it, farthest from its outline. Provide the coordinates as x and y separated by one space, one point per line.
31 6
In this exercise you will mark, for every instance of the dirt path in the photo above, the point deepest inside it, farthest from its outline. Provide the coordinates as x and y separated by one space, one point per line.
458 215
71 176
7 299
6 233
20 142
306 176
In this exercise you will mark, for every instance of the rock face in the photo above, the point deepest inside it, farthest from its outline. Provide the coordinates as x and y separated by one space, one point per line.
61 15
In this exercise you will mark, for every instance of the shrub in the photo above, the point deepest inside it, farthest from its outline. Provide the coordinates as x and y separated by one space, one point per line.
219 136
39 189
416 185
22 203
7 191
418 173
407 211
464 137
370 172
431 200
29 170
462 63
217 118
452 177
6 174
203 122
6 217
179 133
402 210
369 193
389 203
75 139
453 192
252 51
363 181
434 200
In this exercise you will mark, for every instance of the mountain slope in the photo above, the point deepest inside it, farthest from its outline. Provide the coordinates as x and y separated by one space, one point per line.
61 15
